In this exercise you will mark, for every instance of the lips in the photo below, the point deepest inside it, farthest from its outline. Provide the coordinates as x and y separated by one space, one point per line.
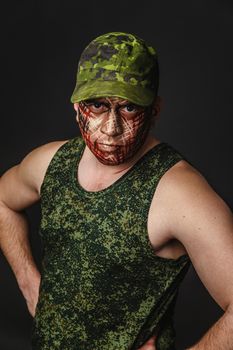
108 147
109 144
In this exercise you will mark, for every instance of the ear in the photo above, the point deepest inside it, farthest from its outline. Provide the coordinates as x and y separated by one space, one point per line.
76 106
157 106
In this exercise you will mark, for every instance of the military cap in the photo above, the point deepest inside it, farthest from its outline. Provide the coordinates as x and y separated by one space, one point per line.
117 64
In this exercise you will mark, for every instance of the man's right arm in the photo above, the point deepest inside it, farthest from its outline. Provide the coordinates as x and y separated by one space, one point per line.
19 189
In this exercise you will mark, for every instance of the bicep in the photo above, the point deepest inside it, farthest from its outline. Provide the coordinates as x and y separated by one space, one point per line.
16 192
203 223
20 185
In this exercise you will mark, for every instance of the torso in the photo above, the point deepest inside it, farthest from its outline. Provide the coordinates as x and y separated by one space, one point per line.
91 180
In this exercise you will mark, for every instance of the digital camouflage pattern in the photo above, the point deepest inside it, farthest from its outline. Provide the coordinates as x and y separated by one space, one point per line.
103 287
117 64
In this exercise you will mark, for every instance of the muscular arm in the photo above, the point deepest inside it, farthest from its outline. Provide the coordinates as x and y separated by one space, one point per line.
203 223
19 189
16 248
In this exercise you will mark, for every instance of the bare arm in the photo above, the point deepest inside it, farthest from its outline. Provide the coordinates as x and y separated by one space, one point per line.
19 189
16 248
203 223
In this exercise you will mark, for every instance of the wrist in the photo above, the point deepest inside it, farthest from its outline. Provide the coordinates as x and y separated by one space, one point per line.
29 280
29 284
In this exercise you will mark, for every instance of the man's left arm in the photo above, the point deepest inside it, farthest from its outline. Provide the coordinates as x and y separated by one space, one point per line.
203 223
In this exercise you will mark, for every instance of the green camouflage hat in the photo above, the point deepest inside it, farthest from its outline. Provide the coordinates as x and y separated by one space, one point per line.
117 64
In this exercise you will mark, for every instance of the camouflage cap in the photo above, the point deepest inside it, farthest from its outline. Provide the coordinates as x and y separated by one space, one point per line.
117 64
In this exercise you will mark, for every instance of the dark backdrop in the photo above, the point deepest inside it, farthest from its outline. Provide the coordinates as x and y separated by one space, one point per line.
41 46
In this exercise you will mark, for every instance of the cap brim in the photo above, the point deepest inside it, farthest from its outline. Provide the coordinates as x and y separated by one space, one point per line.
101 88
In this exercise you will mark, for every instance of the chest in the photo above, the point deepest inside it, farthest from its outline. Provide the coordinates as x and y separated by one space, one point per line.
155 229
117 227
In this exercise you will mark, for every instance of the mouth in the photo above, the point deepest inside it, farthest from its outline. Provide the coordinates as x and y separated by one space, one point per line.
108 144
108 147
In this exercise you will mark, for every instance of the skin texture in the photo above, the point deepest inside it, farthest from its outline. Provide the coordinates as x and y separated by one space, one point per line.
113 129
184 209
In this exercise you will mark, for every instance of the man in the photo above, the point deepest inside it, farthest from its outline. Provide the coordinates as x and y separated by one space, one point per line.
122 216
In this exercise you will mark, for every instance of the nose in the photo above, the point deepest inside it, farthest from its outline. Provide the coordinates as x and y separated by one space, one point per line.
112 125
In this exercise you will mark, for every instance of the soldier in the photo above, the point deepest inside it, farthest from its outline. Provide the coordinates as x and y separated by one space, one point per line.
123 215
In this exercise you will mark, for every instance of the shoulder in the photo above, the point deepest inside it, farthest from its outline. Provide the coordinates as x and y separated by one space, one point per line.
181 174
189 201
31 171
25 178
33 167
43 154
185 181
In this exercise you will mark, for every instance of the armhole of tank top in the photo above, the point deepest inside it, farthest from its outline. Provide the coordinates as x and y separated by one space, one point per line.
177 156
54 158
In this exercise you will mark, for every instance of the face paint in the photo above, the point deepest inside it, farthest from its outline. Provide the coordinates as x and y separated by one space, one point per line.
114 129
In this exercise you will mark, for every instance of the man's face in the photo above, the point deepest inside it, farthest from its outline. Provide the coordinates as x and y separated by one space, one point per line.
113 128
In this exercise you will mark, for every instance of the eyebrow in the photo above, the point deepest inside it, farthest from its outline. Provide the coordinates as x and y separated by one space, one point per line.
119 101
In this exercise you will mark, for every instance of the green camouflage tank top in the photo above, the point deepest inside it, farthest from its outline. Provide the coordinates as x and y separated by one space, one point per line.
103 287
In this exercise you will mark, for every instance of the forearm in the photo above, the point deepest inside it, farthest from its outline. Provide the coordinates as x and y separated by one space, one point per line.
219 336
15 246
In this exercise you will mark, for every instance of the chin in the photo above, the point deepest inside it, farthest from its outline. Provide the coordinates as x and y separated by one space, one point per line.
113 160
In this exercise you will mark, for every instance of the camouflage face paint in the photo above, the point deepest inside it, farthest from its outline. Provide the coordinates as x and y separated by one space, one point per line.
114 129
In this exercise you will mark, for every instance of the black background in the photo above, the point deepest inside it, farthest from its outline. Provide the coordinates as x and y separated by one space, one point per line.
40 47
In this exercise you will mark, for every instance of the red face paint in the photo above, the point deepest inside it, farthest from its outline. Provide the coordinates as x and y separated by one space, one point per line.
114 129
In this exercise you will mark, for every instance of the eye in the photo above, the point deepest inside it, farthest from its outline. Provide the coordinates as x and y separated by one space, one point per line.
97 107
130 110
